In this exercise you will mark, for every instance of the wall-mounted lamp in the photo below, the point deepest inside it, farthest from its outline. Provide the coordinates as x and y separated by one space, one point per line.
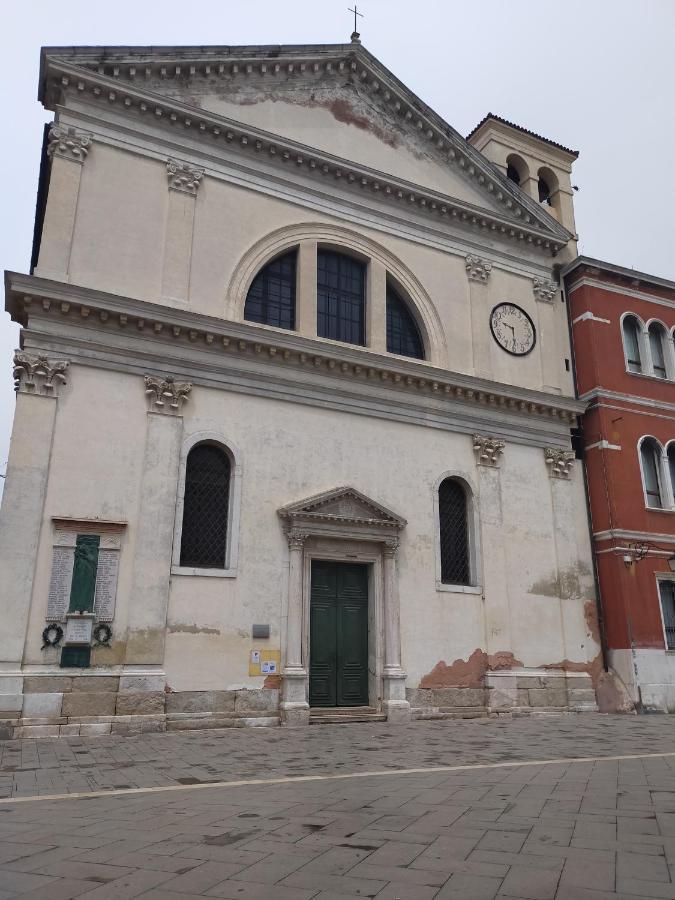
628 559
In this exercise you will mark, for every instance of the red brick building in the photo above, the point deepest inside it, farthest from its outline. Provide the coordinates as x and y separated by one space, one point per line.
622 327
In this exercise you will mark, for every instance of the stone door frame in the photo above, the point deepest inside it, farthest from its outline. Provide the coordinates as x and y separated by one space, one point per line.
345 526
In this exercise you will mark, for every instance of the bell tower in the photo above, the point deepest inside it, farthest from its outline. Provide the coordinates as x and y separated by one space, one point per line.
540 167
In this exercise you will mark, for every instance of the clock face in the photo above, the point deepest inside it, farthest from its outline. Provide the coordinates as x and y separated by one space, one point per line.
512 328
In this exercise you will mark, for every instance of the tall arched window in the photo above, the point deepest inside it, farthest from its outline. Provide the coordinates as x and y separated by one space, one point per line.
650 463
205 507
657 338
340 297
271 297
403 335
453 515
631 343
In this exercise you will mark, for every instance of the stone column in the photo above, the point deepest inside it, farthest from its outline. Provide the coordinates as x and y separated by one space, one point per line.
37 380
552 366
394 703
184 180
155 525
68 150
376 307
305 294
478 272
294 705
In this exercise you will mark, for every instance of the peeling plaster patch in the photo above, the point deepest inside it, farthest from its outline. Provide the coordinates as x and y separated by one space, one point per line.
591 616
272 683
564 584
593 668
183 628
612 694
470 672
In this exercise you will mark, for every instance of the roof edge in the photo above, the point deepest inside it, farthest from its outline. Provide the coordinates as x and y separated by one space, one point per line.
492 117
614 269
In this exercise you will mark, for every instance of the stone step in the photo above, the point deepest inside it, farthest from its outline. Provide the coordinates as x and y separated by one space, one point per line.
344 714
446 712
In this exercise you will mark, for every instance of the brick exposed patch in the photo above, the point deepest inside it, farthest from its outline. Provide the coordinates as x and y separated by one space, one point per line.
468 673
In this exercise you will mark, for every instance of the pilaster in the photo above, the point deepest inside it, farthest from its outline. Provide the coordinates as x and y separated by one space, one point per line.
154 534
305 294
546 293
478 272
376 307
394 702
294 705
183 182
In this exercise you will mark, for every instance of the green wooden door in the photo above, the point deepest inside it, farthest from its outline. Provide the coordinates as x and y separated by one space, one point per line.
338 668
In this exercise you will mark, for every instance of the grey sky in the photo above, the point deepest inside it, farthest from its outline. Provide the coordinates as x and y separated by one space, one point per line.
595 75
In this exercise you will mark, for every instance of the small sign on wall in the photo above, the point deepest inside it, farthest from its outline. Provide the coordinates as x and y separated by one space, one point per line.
264 662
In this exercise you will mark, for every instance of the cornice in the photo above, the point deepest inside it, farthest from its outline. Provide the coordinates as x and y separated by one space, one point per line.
521 221
75 317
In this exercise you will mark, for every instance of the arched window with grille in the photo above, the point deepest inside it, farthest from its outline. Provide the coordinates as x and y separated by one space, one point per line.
650 464
631 343
206 501
403 335
340 297
271 297
454 536
657 339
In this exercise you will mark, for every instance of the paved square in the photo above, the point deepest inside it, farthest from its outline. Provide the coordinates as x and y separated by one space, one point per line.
482 819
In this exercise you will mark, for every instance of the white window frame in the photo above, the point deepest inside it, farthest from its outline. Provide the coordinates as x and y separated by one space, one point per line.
643 345
473 533
661 577
233 511
666 348
663 475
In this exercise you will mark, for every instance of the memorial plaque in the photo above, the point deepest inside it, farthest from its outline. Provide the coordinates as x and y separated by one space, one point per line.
106 585
59 586
78 629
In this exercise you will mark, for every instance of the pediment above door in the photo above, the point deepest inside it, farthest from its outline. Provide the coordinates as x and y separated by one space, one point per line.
342 509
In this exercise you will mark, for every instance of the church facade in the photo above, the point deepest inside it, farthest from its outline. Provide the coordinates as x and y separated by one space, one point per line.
294 399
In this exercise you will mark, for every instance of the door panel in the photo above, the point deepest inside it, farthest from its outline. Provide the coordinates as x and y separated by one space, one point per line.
338 635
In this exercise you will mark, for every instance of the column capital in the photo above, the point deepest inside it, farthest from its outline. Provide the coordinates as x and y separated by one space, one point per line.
183 177
390 548
544 289
560 462
488 450
477 269
296 538
36 374
160 390
67 143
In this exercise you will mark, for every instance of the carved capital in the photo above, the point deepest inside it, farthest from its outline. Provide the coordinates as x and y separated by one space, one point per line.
183 177
488 450
477 269
68 144
390 548
38 374
544 290
559 462
163 391
296 538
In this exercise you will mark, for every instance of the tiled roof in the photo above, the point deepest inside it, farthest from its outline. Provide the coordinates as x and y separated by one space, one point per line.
540 137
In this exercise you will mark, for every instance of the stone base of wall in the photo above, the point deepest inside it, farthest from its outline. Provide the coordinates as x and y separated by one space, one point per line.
87 705
507 692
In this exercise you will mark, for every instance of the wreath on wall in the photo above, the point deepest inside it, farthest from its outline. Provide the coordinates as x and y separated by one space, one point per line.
102 634
52 635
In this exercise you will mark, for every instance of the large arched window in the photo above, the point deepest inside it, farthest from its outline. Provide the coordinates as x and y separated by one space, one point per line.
671 464
340 297
650 463
205 507
271 297
453 516
631 343
403 335
657 348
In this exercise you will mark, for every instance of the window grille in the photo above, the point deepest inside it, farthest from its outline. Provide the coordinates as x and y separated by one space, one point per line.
667 591
650 455
340 296
454 533
632 344
403 336
271 297
656 347
205 508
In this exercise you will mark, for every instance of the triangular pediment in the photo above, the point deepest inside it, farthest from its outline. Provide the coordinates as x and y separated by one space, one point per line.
343 504
337 100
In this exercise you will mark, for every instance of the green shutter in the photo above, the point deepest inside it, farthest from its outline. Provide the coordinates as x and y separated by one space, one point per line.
84 573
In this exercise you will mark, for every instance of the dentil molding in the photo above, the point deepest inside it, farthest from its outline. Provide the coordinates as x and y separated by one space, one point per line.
165 390
543 289
488 450
477 269
183 177
559 462
67 143
38 374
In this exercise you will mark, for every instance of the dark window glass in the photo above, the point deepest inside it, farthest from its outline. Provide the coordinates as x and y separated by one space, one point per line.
271 297
544 191
512 173
650 459
454 533
75 657
403 335
205 508
671 465
340 297
656 335
667 590
632 344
